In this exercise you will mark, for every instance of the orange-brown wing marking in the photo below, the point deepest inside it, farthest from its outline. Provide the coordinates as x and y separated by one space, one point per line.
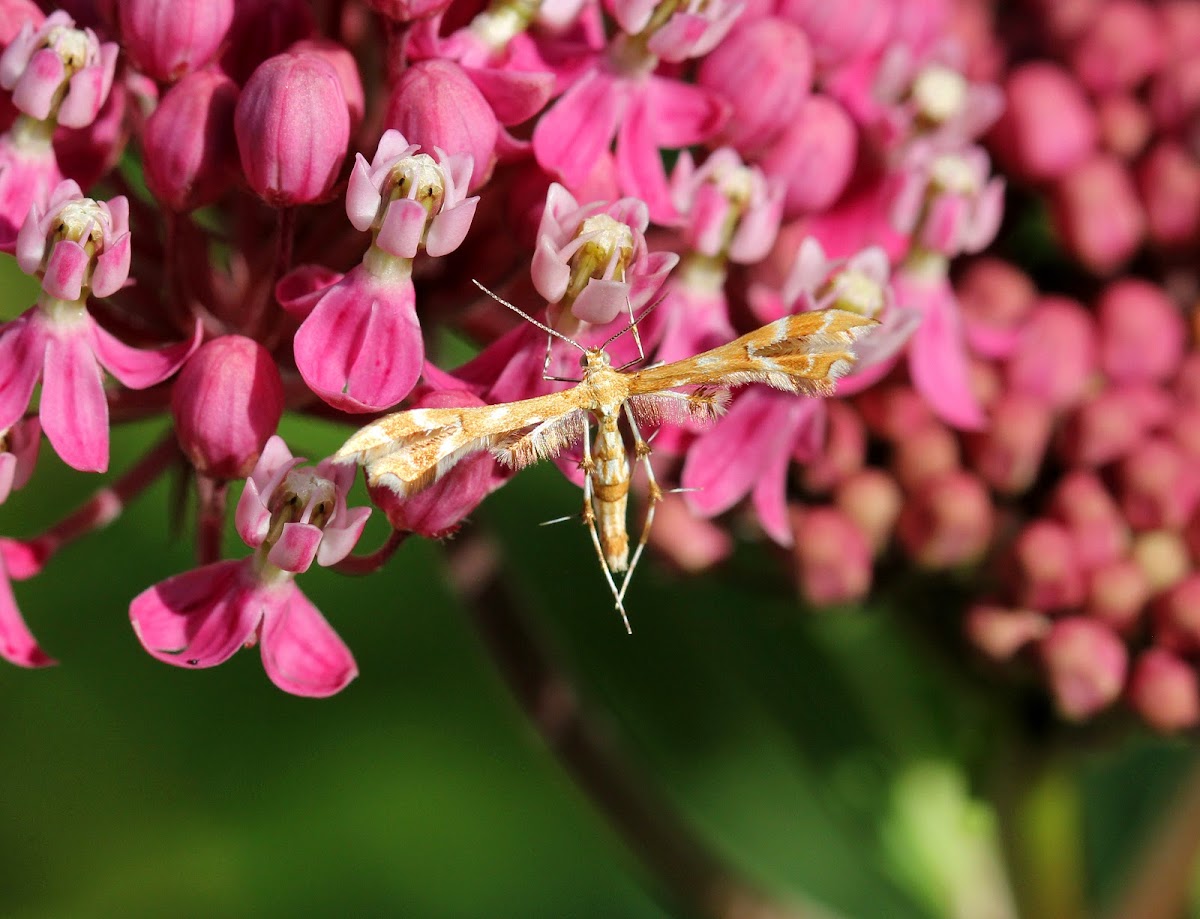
804 353
409 451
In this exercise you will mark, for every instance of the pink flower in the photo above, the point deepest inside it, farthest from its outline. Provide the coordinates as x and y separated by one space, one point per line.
77 244
593 260
28 173
409 199
56 71
292 516
169 38
814 155
1048 127
18 453
728 209
1086 664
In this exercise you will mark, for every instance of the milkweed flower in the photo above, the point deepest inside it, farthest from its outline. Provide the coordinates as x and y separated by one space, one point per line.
292 516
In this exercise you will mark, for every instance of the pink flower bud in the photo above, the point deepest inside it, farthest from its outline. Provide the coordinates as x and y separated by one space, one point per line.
996 299
872 499
1125 125
1048 127
929 452
1122 46
1085 664
948 522
169 38
1164 690
893 410
839 34
435 104
1109 425
1142 333
262 29
1046 573
814 156
227 401
833 557
189 145
1159 486
1187 381
407 10
1091 516
1009 453
438 511
1055 354
1000 632
1099 214
1066 19
1169 179
1177 616
347 70
690 543
1163 558
763 68
1117 593
293 129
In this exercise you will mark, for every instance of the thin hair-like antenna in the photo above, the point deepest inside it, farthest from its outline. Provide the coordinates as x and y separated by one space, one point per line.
633 324
526 316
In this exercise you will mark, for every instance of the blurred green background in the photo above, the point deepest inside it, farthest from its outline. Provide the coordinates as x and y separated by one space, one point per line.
827 754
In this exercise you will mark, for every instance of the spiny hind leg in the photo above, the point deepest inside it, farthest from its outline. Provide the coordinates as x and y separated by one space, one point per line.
641 450
588 465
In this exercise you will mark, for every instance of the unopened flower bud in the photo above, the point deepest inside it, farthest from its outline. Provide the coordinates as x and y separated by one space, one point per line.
1177 616
347 70
1164 690
1122 46
227 401
843 452
1142 333
1169 178
1125 125
1159 486
690 543
1083 504
814 156
1086 665
292 129
1117 593
1009 453
764 69
1048 127
893 410
996 299
435 104
190 149
170 38
872 499
262 29
948 521
1045 568
1109 425
927 453
1099 213
1000 632
833 557
1055 353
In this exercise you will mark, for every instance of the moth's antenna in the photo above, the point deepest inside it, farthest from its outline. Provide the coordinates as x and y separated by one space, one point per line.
633 325
526 316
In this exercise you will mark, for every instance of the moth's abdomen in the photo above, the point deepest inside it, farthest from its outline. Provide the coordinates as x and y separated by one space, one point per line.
610 493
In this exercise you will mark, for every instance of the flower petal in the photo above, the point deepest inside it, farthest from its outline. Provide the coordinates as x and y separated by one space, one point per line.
296 547
22 353
135 367
301 652
74 410
17 644
198 618
724 462
572 135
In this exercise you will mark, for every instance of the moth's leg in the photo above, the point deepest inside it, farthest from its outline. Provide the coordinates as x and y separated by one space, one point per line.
637 338
641 451
588 465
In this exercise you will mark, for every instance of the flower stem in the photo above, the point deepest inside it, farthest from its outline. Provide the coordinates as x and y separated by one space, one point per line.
107 504
212 497
690 872
373 561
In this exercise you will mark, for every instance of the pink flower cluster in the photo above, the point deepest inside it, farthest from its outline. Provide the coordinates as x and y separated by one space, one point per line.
325 187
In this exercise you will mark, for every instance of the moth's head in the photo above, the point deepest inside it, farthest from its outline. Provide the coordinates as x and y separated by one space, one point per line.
595 359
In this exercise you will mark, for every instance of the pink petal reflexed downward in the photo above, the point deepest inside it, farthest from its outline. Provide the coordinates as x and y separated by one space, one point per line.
17 644
135 367
572 135
74 411
198 618
301 652
725 461
769 494
639 162
515 96
937 356
22 350
361 349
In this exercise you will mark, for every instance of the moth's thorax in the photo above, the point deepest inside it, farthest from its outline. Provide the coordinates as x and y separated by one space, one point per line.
607 388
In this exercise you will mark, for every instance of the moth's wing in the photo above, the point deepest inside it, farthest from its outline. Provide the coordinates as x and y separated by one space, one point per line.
544 440
409 451
700 406
804 353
